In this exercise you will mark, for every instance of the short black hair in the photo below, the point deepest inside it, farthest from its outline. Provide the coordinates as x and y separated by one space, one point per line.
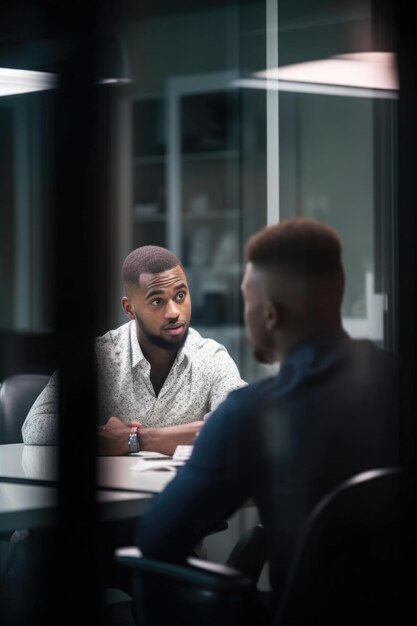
302 245
147 259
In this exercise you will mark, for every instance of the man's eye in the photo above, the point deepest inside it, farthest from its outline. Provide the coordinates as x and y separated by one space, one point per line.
156 302
181 295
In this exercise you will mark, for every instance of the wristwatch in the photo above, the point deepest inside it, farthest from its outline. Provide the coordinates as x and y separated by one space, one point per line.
133 441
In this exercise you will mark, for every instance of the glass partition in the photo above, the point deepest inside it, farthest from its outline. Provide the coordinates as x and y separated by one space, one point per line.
197 154
217 120
252 128
187 125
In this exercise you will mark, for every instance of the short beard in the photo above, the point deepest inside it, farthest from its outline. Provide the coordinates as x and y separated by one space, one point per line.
263 356
260 356
160 342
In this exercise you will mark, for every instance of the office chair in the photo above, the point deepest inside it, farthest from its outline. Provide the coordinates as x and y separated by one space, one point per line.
346 566
17 394
345 569
200 592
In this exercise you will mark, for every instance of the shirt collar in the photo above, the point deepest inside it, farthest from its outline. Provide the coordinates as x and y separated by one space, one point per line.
135 349
320 340
137 354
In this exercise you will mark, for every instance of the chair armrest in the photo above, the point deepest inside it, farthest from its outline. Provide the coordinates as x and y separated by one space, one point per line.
195 572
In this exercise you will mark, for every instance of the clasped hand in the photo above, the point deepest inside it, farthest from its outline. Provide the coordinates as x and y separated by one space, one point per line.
113 436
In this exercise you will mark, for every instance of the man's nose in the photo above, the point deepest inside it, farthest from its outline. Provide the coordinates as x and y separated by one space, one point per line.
171 310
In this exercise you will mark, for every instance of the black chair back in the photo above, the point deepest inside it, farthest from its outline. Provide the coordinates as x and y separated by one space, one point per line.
17 394
346 567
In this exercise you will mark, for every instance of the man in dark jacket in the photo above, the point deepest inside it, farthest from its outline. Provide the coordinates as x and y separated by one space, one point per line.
285 441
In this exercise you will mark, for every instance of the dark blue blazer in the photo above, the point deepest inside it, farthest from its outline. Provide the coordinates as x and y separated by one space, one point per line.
285 441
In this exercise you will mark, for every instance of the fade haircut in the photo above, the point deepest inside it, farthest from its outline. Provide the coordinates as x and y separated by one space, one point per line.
301 245
149 260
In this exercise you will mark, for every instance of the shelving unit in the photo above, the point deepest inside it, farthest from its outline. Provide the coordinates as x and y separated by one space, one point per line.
199 189
149 171
186 187
203 183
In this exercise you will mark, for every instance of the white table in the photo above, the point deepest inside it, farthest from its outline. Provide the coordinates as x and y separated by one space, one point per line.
122 492
30 506
39 463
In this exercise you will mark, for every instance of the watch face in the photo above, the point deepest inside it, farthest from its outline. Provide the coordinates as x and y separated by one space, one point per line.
133 443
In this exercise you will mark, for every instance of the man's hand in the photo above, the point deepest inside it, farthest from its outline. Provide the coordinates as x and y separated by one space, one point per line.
165 440
113 437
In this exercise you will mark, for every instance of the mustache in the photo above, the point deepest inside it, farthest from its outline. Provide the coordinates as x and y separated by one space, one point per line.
174 325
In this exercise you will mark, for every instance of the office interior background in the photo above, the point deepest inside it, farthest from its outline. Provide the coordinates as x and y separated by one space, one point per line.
191 125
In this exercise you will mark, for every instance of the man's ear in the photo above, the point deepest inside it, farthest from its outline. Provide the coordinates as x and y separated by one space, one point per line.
272 315
127 308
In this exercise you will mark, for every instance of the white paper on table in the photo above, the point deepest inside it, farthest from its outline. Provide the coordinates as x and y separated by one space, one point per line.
146 465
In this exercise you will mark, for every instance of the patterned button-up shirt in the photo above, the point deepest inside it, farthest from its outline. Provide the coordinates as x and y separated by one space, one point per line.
200 378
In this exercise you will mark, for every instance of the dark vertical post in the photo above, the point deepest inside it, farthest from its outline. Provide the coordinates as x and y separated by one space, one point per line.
407 246
385 179
77 271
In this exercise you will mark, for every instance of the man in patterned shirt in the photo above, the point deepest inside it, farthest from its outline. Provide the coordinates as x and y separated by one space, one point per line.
158 378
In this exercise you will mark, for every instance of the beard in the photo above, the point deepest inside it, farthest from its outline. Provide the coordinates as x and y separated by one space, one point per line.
263 356
160 342
263 351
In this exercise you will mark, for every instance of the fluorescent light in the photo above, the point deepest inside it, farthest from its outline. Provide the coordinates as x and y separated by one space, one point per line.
13 81
366 74
326 90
